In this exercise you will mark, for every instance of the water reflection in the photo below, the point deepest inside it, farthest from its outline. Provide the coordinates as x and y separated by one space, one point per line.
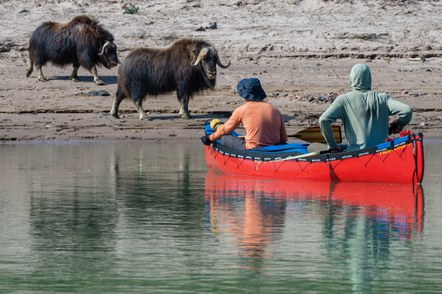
354 217
147 217
152 186
240 208
84 212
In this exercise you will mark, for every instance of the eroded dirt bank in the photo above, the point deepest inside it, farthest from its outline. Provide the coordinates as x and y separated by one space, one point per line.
302 51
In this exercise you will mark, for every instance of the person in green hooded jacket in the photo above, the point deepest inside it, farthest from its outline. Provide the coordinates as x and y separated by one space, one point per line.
364 113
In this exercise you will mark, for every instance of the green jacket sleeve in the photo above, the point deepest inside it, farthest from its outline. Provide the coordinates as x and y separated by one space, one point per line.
333 113
400 109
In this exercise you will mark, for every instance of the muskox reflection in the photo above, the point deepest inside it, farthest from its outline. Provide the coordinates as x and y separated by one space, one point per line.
157 181
83 192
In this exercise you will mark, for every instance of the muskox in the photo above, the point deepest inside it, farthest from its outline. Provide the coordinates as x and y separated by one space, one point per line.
82 41
188 66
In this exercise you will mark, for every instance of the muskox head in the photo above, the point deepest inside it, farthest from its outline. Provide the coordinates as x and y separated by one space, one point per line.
108 55
207 59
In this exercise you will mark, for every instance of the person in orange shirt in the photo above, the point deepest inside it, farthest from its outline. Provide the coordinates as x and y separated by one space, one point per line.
263 123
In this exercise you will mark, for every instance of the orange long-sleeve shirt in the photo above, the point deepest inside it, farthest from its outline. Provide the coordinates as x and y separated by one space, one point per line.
264 124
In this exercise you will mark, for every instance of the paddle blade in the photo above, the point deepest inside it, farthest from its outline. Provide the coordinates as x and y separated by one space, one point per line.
313 134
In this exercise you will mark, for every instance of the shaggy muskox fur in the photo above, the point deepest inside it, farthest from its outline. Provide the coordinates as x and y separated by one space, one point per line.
187 67
82 41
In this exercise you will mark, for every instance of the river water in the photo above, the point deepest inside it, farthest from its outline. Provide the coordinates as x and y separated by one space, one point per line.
146 217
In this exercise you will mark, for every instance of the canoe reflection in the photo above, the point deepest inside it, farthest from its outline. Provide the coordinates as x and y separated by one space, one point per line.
253 210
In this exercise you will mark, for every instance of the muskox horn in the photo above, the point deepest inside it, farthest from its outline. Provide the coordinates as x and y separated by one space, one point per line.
220 64
219 61
201 55
104 46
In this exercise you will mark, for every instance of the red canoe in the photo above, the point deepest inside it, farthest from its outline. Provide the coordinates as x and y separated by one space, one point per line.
397 161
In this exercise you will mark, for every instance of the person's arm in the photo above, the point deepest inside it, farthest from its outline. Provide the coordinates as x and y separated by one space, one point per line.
229 126
403 111
326 119
283 131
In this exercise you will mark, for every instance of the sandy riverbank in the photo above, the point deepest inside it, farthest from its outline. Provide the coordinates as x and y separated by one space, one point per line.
302 51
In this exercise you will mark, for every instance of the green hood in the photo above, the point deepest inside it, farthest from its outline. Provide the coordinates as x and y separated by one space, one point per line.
360 77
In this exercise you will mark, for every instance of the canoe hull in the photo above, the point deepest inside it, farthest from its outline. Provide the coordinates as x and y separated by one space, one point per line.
402 163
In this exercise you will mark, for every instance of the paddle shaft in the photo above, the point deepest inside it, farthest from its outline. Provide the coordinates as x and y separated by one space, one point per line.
313 134
303 155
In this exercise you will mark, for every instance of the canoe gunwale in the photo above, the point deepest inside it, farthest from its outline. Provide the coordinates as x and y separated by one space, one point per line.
278 156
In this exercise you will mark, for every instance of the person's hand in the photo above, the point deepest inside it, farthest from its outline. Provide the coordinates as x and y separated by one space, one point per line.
337 149
395 127
206 140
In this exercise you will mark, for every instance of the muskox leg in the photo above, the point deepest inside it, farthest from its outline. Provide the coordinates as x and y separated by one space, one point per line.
96 78
119 96
41 76
30 67
39 66
139 105
184 110
74 74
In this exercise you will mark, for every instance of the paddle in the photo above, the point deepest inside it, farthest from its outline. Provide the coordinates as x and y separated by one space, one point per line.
313 134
